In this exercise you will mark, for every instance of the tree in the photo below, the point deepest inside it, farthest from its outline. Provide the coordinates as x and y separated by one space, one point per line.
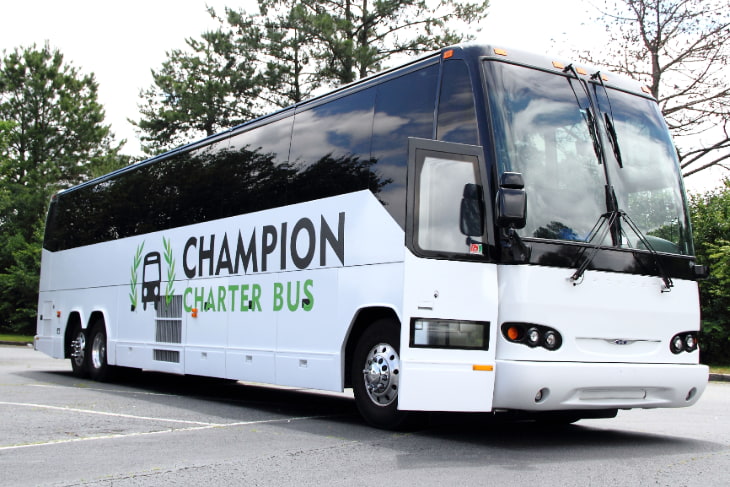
283 46
711 224
214 86
349 40
277 57
681 49
53 137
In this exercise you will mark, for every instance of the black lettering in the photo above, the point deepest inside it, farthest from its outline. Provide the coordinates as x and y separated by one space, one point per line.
246 256
326 235
224 257
268 245
189 271
282 247
299 261
204 255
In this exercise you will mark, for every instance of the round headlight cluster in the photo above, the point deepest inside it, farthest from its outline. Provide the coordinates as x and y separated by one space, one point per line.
683 342
532 335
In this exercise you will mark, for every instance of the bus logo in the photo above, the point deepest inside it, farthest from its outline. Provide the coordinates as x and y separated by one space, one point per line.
151 284
151 279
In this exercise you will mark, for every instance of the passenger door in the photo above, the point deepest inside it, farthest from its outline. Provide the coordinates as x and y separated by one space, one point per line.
449 331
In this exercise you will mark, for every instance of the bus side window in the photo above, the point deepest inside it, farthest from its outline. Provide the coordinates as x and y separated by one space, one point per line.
258 167
456 114
403 108
330 148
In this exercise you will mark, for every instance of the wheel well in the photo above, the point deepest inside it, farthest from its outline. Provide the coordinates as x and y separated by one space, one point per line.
364 318
74 321
96 319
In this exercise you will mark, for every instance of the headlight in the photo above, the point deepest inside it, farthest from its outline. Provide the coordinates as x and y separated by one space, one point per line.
683 342
532 335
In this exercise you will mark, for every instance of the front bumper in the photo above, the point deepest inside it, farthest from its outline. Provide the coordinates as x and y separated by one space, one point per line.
555 386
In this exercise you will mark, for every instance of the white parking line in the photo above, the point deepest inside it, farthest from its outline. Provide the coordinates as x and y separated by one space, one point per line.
105 413
102 389
201 425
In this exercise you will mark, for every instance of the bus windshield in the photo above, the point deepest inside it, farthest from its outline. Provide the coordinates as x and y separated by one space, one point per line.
545 128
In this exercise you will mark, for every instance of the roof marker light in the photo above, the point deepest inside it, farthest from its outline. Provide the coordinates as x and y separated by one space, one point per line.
500 52
581 71
558 65
448 54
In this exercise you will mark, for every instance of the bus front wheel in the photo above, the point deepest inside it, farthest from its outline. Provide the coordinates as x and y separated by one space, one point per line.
376 374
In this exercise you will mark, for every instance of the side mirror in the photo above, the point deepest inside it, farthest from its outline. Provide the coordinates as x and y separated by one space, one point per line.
471 216
511 201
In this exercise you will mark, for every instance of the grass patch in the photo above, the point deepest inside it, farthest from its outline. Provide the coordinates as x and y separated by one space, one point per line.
16 338
720 369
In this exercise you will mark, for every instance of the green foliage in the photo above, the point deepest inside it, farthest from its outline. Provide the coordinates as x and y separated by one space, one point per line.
711 224
51 136
278 56
198 92
349 39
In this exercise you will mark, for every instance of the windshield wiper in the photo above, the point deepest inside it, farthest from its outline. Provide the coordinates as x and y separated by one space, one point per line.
586 113
611 222
668 284
610 123
604 224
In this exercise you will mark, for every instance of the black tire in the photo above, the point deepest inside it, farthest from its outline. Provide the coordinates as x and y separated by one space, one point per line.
78 352
98 367
375 373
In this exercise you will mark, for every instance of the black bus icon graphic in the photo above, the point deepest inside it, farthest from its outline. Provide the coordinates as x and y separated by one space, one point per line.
151 279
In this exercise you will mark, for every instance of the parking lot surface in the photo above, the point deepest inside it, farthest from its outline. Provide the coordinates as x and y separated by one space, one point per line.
153 429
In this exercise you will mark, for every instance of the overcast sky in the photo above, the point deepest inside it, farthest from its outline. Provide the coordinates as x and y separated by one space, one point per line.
121 41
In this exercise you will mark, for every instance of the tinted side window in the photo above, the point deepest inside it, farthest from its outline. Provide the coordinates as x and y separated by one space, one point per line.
330 149
404 108
259 168
456 116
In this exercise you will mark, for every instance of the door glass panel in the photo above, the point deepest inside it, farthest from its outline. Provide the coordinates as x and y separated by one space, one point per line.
440 188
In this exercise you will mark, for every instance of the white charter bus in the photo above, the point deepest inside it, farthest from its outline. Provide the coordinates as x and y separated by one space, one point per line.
480 229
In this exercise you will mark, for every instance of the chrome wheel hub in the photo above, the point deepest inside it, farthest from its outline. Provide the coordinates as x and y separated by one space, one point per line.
381 373
98 351
78 349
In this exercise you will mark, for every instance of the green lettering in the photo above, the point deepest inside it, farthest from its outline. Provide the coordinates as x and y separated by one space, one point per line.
256 298
233 288
244 297
221 298
210 303
292 306
198 303
188 291
308 302
278 299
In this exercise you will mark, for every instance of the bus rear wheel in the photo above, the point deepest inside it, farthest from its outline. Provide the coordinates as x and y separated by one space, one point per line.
375 375
99 369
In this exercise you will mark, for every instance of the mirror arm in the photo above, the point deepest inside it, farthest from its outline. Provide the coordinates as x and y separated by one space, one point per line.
513 246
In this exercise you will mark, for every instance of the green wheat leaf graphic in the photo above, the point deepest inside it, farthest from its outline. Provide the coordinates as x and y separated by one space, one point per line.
169 290
134 271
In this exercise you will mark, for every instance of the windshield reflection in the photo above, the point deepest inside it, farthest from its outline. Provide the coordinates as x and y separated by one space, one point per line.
541 130
649 185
